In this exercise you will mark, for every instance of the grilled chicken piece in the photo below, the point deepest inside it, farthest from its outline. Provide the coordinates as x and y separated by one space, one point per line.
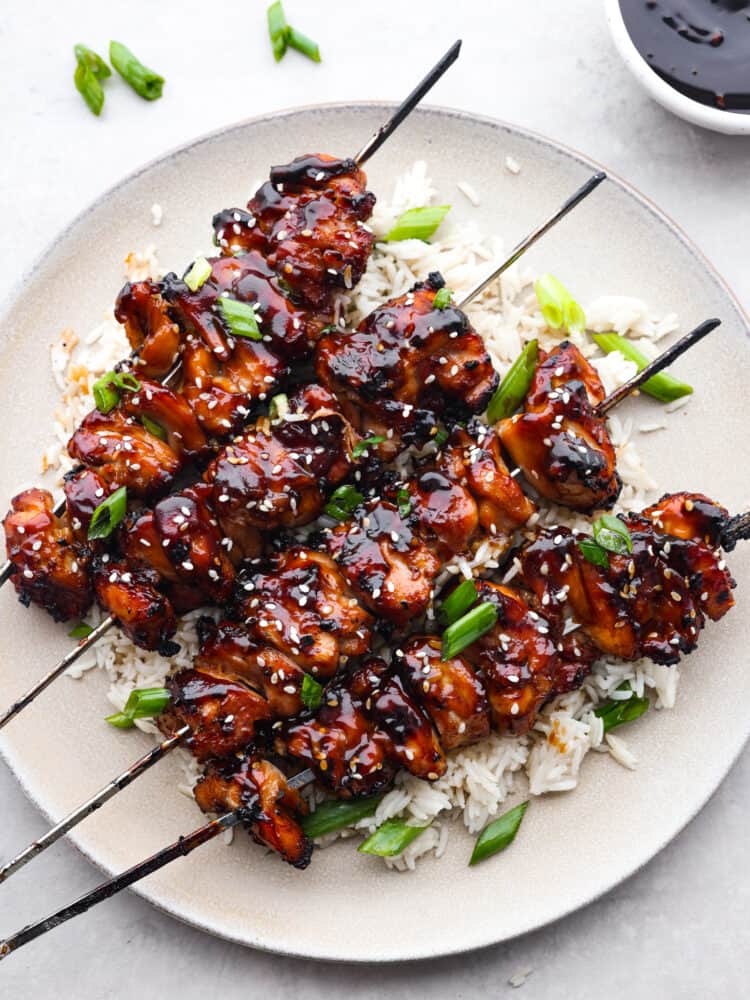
387 565
558 441
124 453
279 473
393 709
302 606
48 569
405 366
450 691
229 648
151 331
130 595
270 808
223 713
308 221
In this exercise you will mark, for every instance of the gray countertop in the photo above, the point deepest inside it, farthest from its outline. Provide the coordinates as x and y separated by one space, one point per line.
679 927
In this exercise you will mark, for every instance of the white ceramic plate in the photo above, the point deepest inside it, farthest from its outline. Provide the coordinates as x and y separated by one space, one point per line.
573 847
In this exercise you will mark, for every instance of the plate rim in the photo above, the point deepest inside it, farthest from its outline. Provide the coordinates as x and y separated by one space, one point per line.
10 300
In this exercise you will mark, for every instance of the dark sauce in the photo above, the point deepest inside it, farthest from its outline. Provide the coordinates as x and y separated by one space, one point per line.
700 47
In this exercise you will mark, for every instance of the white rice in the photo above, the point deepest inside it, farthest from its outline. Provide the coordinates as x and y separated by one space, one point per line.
481 778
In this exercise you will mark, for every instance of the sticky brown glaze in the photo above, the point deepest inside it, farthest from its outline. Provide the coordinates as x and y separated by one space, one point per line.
558 441
391 707
151 330
450 691
308 221
84 491
271 809
405 366
279 474
223 714
386 564
48 569
130 595
301 605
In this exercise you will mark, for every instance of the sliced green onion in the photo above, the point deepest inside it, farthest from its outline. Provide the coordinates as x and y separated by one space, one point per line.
593 552
278 407
278 29
441 437
198 274
559 308
93 60
512 390
617 712
240 318
303 44
311 692
336 814
418 223
499 834
457 603
468 629
142 703
612 534
88 86
145 82
442 298
403 500
153 428
126 381
361 446
109 514
661 386
391 838
105 389
343 502
80 631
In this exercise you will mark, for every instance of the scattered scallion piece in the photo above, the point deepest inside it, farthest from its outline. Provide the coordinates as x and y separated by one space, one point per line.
343 502
108 514
311 692
417 223
403 499
441 437
336 814
619 711
457 603
442 298
145 82
278 407
107 389
198 274
499 834
93 60
593 552
80 631
391 838
361 446
512 390
142 703
153 428
90 70
468 629
662 386
240 318
559 308
278 30
612 534
296 40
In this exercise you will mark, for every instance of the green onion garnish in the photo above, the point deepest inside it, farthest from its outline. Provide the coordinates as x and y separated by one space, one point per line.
403 499
512 390
343 502
442 298
617 712
240 318
142 703
559 308
391 838
105 389
610 535
336 814
468 629
418 223
311 692
303 44
90 70
144 81
93 60
499 834
441 437
593 552
153 428
80 631
278 29
361 446
457 603
198 274
108 514
661 386
278 407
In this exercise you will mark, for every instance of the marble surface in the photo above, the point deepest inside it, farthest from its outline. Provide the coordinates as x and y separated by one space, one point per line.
677 928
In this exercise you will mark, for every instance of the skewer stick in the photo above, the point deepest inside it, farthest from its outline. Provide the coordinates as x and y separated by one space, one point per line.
658 364
406 107
179 849
91 805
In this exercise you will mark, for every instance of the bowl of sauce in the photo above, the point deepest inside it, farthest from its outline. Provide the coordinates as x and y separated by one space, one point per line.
692 56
